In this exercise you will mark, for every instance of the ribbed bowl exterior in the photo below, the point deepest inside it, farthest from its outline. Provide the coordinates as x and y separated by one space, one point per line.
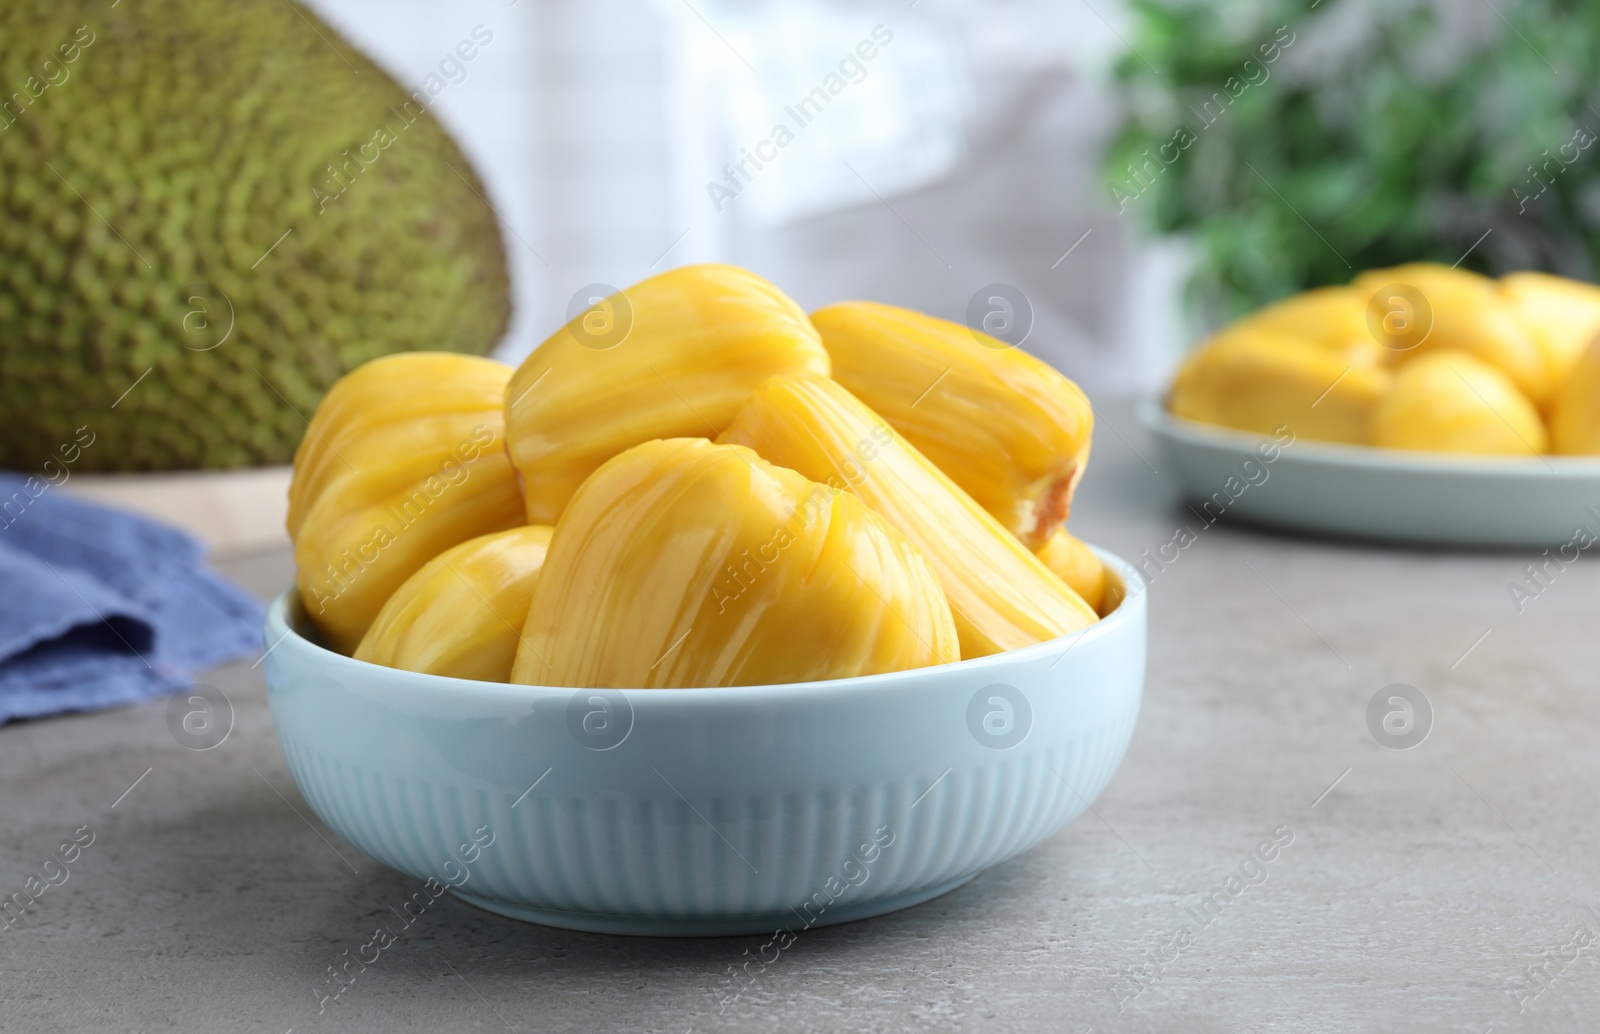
710 810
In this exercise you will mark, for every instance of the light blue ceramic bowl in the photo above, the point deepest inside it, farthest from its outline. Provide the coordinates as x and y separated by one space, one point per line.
708 811
1386 494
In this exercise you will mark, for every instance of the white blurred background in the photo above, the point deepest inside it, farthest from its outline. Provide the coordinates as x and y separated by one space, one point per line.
962 154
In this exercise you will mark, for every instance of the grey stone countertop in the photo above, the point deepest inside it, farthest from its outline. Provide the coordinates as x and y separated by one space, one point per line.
1447 887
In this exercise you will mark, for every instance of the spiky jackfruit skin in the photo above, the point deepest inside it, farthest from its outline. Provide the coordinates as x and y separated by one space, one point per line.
144 198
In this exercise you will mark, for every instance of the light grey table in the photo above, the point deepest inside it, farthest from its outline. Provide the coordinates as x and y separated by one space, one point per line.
1451 886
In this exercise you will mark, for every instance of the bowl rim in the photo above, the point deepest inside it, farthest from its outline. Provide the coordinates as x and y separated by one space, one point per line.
278 628
1164 423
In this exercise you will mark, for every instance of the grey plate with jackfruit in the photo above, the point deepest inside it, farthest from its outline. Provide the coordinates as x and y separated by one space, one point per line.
1370 493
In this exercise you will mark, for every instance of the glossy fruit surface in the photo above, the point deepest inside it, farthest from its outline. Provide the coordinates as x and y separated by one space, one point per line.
462 613
1003 597
1450 401
1009 429
671 356
684 563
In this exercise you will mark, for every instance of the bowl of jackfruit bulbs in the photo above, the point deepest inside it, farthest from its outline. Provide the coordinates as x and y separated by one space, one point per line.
1419 403
709 618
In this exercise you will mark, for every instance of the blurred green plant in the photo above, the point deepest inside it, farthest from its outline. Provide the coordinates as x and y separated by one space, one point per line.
1324 141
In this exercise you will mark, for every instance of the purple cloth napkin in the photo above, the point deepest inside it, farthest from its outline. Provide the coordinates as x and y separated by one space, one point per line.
101 607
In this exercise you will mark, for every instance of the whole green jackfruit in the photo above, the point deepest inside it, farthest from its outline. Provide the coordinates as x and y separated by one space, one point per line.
210 210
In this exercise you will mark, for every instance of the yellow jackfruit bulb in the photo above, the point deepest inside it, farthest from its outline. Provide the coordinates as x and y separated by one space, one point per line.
1259 381
1006 427
386 482
1561 315
1075 563
686 563
1325 315
1451 401
462 613
1439 308
1575 422
384 409
671 356
1003 596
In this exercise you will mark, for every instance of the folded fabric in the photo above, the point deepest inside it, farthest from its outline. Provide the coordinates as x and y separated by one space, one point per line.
101 607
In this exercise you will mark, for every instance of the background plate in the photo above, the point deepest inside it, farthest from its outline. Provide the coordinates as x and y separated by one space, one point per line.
1374 493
